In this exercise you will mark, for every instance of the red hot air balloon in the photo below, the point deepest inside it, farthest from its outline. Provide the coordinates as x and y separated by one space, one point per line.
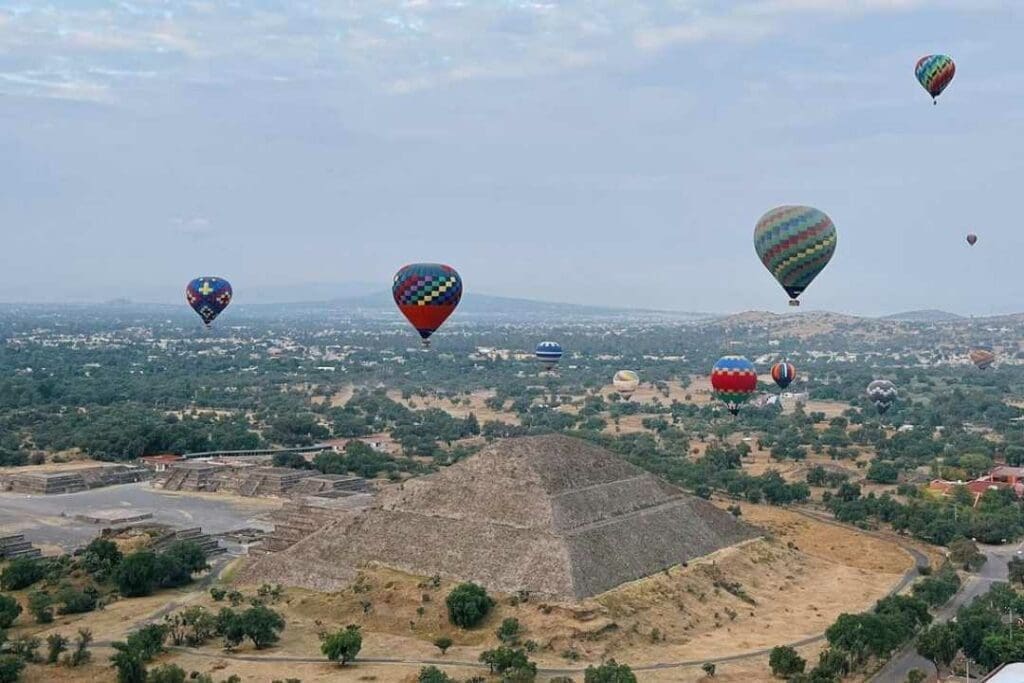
426 294
783 374
971 238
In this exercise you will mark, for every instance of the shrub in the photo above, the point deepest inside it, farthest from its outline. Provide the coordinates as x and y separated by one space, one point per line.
785 662
509 631
609 672
138 574
432 674
10 668
21 573
77 602
40 604
56 644
9 611
468 604
167 673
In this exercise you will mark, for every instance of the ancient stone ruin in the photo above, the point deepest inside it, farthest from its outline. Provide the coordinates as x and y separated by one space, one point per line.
552 515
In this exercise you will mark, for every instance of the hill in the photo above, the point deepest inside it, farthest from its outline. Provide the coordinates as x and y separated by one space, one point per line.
926 316
551 515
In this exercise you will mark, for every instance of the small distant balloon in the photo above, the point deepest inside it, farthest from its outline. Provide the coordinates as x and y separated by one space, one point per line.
208 296
426 294
795 243
934 73
983 357
971 238
625 382
883 394
549 353
783 374
734 380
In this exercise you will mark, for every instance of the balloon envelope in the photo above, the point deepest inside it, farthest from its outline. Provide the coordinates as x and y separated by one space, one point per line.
883 394
549 353
934 73
983 357
208 296
426 294
626 382
734 379
971 239
795 243
783 374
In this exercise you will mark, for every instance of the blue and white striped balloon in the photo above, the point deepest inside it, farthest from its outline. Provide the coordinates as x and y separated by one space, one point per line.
549 353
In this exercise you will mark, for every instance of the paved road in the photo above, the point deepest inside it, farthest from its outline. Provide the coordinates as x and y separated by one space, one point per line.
995 569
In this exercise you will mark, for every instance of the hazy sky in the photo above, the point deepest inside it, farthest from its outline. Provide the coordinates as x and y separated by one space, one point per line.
592 151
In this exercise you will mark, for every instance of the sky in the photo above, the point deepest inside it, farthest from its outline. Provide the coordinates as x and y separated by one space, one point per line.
586 151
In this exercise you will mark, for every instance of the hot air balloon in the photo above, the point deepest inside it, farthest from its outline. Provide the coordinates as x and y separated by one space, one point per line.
625 382
883 394
795 243
934 73
549 353
734 379
971 238
426 294
983 357
783 374
208 296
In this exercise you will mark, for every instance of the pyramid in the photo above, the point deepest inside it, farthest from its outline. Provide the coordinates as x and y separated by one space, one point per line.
553 515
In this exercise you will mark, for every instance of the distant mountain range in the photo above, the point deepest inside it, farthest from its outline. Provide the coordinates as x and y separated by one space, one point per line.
926 316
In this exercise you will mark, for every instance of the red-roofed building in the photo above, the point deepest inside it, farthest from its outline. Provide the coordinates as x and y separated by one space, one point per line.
977 488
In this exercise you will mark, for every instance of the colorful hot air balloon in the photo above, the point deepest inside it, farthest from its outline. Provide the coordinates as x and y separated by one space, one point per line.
549 353
934 72
983 357
883 394
426 294
795 243
208 296
625 382
734 379
971 238
783 374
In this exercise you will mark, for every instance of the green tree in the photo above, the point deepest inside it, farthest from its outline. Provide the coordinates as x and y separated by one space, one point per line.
21 573
442 643
609 672
468 604
262 626
502 659
964 552
9 611
509 631
938 644
148 641
10 668
40 604
343 646
1016 568
100 558
129 664
786 662
916 676
709 669
138 574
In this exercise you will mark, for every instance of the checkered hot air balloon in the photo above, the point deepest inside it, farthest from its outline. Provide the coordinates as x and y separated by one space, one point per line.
795 243
549 353
883 394
783 374
734 379
934 73
426 294
208 296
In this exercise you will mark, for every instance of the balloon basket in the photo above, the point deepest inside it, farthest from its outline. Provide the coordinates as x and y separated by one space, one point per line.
794 302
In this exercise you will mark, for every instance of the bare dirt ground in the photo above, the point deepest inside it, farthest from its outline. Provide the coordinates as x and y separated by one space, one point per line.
456 407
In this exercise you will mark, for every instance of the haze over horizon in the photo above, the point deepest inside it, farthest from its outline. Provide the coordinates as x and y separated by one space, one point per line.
610 154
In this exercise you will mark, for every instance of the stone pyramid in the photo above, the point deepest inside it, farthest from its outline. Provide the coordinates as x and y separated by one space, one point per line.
553 515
